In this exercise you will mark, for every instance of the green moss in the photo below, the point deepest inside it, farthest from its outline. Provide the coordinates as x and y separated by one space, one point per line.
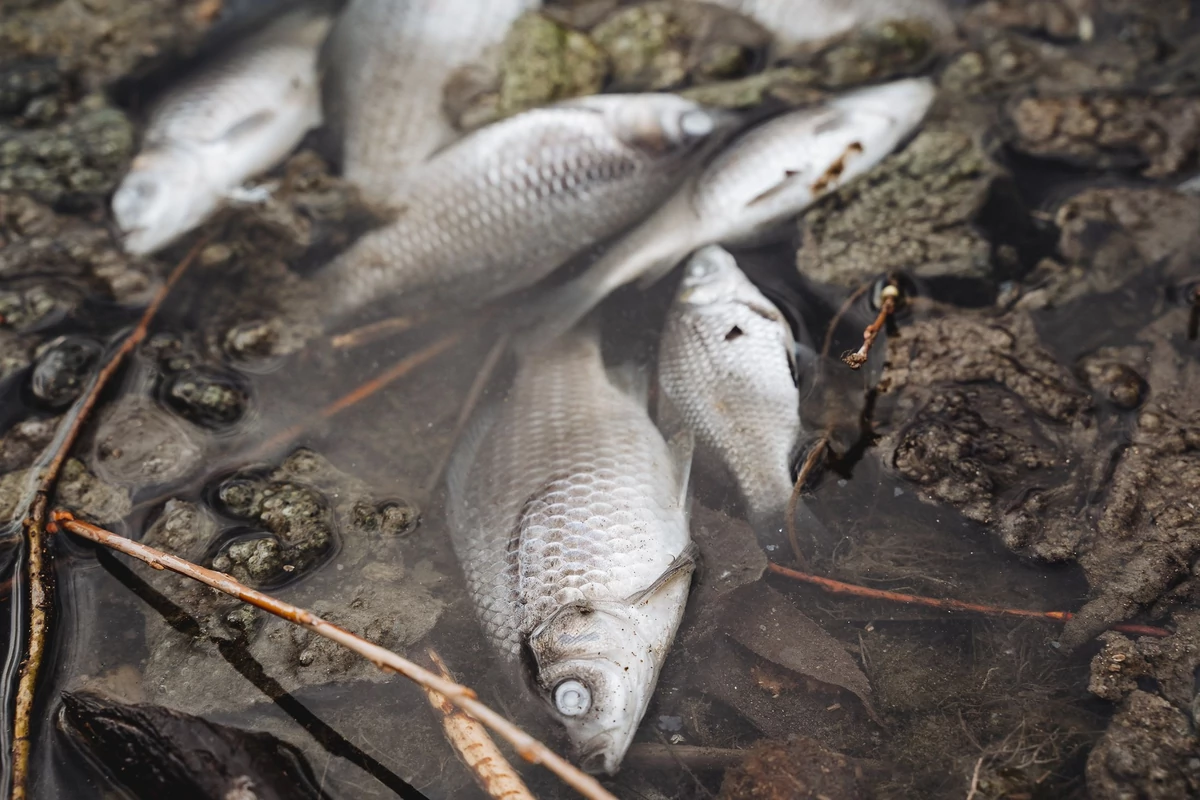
646 47
545 62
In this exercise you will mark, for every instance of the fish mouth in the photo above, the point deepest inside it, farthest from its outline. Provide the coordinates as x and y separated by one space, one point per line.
600 756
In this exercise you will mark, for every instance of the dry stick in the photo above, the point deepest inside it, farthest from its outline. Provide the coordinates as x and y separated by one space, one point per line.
35 528
468 407
856 359
526 746
841 312
477 750
810 463
838 587
362 392
376 330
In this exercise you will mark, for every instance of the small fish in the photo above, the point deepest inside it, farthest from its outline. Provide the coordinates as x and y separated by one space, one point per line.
567 513
800 22
727 367
230 121
387 63
503 207
768 175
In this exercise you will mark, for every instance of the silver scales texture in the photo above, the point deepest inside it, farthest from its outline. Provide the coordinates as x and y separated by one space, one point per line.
565 492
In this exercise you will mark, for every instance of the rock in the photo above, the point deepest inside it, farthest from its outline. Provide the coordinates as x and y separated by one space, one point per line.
1149 751
63 369
1156 135
791 86
77 491
208 397
24 442
545 62
16 353
137 444
1117 668
894 49
921 211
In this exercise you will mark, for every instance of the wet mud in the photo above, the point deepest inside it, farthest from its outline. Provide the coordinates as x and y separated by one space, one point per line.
1032 440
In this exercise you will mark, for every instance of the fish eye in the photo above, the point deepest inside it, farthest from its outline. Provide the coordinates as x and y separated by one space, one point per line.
572 698
696 123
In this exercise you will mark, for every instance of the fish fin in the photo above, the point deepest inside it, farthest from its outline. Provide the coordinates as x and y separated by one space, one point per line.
632 379
682 443
790 178
247 127
683 564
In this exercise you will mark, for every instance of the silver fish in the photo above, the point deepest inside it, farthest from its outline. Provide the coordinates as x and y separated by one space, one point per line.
387 62
799 22
566 510
768 175
230 121
727 367
502 208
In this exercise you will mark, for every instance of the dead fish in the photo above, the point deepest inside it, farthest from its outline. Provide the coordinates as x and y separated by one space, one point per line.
567 513
768 175
387 62
230 121
502 208
727 367
799 22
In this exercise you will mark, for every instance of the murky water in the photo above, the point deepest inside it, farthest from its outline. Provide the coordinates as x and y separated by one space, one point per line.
981 475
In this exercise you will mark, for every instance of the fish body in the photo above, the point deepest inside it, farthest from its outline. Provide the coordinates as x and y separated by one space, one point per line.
802 22
566 511
768 175
727 368
387 63
503 207
231 120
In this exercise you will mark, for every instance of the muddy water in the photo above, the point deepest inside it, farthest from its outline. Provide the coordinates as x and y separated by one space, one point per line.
1032 438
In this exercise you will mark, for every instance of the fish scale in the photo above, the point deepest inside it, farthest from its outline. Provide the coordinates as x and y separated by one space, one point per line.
726 366
502 208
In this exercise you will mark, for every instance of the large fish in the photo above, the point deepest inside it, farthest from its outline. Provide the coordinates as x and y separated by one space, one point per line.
386 66
727 366
768 175
800 22
230 121
502 208
566 510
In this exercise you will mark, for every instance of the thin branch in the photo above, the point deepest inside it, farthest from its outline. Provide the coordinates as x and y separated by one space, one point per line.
890 295
473 745
975 779
526 746
839 587
841 312
41 590
810 464
362 392
375 331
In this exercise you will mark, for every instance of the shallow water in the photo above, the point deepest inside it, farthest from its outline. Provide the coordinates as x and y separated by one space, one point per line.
952 695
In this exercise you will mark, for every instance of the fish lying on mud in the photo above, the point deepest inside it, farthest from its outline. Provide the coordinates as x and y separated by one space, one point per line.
502 208
567 513
768 175
799 22
727 366
386 65
233 119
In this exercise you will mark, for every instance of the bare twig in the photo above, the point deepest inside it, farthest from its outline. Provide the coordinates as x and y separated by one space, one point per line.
975 779
360 393
841 312
810 464
375 331
526 746
468 407
473 745
839 587
41 595
889 296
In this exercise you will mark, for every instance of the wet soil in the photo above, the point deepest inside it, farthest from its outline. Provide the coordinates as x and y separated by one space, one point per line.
1033 441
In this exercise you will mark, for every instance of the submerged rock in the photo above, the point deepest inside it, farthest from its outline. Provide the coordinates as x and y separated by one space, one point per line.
138 444
921 211
77 490
63 369
1148 751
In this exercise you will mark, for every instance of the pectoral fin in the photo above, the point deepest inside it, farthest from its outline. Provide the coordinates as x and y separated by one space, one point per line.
682 567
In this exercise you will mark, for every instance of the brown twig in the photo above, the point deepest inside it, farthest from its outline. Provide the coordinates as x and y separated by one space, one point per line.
838 587
375 331
889 296
810 464
41 595
360 393
526 746
473 745
975 779
841 312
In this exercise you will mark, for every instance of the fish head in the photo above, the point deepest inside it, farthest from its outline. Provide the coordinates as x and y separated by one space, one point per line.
711 276
597 672
889 112
164 194
661 124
